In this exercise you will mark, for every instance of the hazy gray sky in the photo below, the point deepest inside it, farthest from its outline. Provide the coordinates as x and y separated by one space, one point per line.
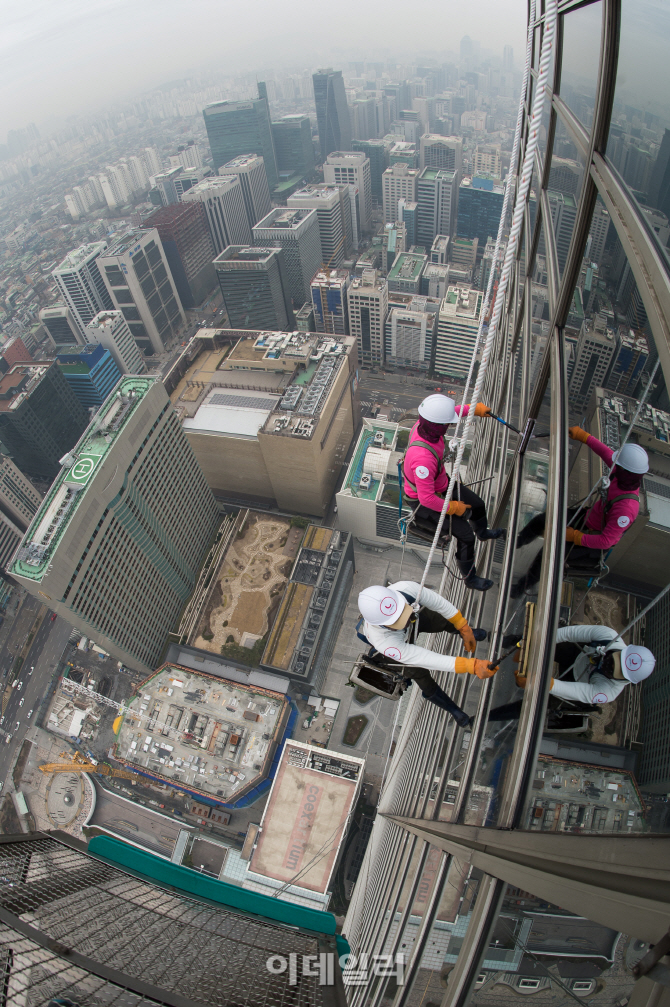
58 57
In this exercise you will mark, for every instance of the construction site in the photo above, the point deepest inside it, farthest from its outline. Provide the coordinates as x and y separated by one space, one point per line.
202 734
248 585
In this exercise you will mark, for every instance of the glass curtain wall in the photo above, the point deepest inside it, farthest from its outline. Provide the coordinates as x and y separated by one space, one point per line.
583 340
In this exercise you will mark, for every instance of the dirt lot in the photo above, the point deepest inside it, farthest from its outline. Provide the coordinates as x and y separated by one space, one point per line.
252 579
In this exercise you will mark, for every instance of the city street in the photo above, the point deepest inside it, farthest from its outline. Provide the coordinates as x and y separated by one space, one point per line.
44 655
400 392
132 821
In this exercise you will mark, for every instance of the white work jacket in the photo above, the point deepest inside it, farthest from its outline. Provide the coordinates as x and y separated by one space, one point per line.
394 643
589 686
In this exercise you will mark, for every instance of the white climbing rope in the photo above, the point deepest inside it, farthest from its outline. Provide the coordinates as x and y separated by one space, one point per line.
548 40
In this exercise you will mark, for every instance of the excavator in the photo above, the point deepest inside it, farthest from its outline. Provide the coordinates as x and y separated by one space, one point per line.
78 764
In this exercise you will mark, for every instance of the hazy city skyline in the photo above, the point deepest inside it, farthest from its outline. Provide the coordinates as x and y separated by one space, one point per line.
119 48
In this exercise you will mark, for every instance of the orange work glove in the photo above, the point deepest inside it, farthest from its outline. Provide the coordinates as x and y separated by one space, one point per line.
457 508
472 666
572 535
578 434
521 681
482 410
468 638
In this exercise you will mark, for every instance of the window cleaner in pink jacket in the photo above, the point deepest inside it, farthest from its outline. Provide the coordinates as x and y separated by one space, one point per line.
425 480
606 521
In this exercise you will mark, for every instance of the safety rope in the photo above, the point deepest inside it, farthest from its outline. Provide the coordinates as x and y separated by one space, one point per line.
510 253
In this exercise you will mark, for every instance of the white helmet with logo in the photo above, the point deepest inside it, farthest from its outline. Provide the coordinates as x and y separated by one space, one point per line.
637 663
632 458
438 409
381 606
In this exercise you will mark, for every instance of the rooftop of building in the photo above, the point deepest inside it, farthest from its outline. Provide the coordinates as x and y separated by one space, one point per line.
79 255
346 155
319 190
466 242
123 242
201 733
18 383
242 160
430 174
245 254
370 278
283 219
413 302
54 311
214 185
285 846
562 197
331 278
277 382
169 214
228 103
462 300
407 266
486 183
80 351
76 477
438 138
105 318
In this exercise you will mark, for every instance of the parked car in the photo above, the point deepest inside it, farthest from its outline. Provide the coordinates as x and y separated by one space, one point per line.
22 700
18 686
30 713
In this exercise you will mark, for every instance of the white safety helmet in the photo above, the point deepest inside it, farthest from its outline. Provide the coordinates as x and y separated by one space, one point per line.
632 458
637 663
438 409
381 606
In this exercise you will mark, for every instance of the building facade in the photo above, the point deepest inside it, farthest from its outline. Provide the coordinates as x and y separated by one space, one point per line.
109 511
480 202
40 418
239 128
437 198
187 244
223 203
333 208
367 301
255 287
332 111
443 152
61 325
91 373
250 172
329 301
111 330
457 328
399 183
352 169
296 231
80 282
138 279
292 137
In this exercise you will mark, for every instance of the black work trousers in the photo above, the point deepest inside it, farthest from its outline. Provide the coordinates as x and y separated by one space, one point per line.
461 527
577 556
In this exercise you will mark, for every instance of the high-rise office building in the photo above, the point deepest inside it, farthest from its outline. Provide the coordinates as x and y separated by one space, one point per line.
408 211
235 128
332 111
437 198
19 499
137 274
363 114
250 172
463 253
10 537
61 325
90 371
79 280
457 327
399 183
404 152
329 300
377 153
222 200
111 330
296 231
480 202
410 337
132 498
563 214
565 175
594 354
294 150
629 362
401 95
367 301
352 169
405 274
659 182
14 351
187 244
487 159
254 286
445 152
165 188
40 418
333 209
152 160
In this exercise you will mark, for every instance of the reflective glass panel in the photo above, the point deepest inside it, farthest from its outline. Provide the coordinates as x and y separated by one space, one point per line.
541 951
639 139
564 186
581 57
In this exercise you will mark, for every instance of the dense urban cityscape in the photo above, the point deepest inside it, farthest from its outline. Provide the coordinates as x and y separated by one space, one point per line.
334 404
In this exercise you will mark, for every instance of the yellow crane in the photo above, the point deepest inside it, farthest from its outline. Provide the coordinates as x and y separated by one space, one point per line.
78 764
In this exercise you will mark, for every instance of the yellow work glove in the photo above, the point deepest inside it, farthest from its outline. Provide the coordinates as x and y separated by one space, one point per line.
572 535
578 434
482 410
473 666
460 623
457 508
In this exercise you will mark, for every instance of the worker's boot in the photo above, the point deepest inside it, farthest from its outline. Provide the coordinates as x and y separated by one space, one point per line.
440 698
470 578
484 533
